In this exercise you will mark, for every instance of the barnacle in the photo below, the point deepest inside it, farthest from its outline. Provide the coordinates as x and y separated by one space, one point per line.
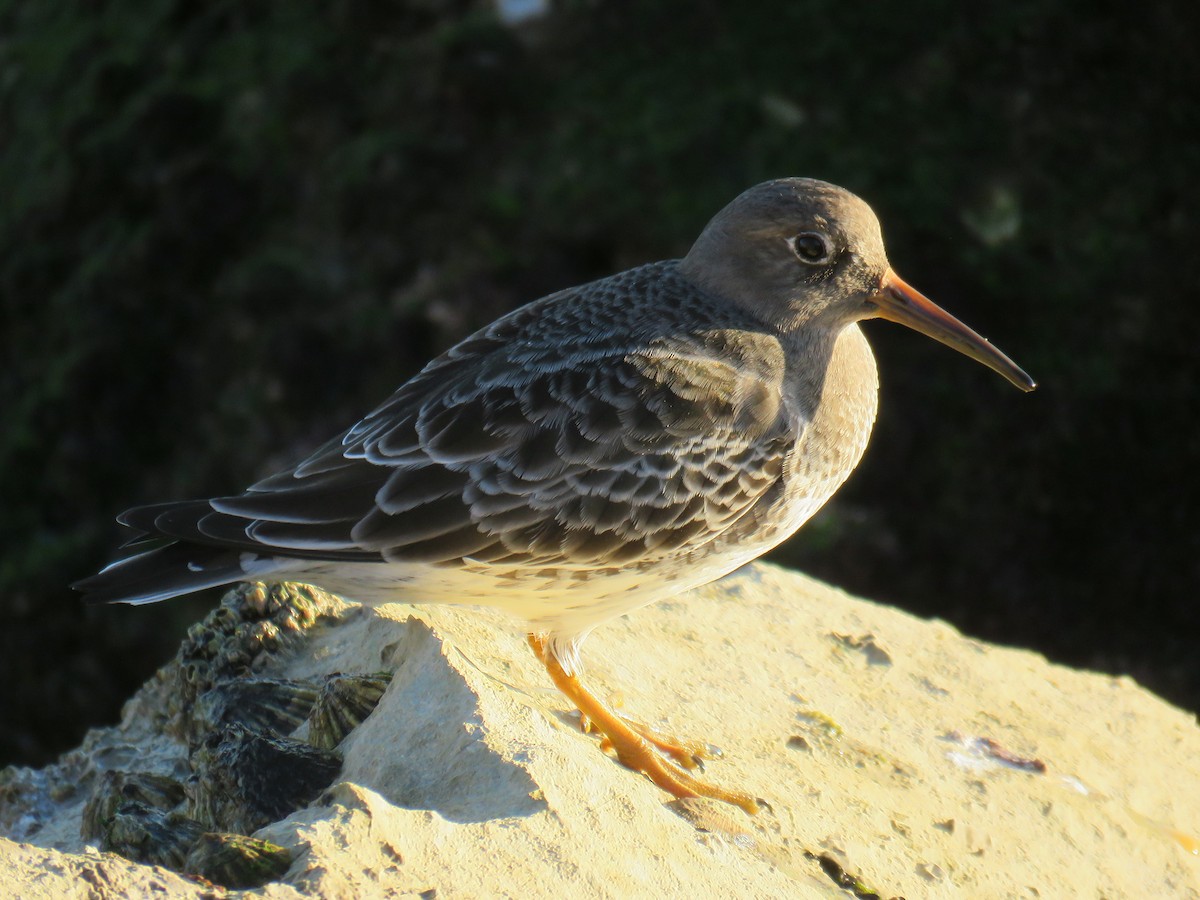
114 789
253 624
270 705
236 861
344 702
242 779
149 835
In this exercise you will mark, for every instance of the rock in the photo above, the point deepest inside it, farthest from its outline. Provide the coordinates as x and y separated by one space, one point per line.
236 861
147 834
36 873
242 780
115 788
899 758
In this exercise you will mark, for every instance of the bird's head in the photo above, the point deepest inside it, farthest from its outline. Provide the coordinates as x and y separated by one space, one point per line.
801 253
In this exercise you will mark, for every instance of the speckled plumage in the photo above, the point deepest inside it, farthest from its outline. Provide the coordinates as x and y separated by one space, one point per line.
587 454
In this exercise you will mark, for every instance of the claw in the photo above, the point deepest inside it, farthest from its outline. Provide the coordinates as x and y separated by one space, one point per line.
637 746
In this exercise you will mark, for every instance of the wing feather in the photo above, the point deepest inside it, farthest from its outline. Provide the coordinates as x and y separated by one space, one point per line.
547 439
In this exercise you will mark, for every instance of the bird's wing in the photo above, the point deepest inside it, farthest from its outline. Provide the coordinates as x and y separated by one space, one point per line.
535 452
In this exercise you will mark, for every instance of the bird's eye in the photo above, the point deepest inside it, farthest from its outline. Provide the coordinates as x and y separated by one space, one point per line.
811 248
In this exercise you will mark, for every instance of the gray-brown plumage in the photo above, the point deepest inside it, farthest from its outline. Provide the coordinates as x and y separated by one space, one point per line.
593 451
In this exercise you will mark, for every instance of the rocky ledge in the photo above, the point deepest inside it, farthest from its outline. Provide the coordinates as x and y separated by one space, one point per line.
302 746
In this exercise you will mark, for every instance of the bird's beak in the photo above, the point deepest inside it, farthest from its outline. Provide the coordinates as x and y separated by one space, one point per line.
898 302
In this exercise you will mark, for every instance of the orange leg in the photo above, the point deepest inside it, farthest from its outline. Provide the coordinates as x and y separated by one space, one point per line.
632 748
689 754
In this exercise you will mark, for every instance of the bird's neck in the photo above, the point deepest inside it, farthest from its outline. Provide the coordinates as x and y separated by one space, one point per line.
834 412
831 365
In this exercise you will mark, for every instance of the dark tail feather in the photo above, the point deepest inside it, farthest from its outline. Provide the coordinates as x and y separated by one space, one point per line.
169 571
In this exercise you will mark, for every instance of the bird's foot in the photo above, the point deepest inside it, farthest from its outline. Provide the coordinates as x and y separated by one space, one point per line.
638 747
688 754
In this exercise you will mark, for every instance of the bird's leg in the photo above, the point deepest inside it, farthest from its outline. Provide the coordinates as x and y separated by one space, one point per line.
633 749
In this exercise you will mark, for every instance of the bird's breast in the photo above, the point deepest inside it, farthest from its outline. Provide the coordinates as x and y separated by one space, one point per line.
834 417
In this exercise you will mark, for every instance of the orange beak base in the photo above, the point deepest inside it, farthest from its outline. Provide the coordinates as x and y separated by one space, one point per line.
896 301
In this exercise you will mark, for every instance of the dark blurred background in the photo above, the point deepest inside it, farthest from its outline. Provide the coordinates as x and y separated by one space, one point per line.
228 229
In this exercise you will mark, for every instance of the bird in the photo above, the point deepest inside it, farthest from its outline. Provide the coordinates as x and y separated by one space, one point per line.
599 449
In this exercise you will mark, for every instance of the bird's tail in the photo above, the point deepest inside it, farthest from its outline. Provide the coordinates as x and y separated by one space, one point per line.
171 570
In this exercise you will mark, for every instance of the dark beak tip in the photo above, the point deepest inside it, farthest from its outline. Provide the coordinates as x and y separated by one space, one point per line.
899 302
1018 378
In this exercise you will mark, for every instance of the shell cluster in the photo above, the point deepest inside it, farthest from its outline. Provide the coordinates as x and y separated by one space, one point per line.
236 861
246 779
117 789
344 701
257 747
270 705
253 625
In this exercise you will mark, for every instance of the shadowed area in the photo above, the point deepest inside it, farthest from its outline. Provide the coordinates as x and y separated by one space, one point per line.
440 758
